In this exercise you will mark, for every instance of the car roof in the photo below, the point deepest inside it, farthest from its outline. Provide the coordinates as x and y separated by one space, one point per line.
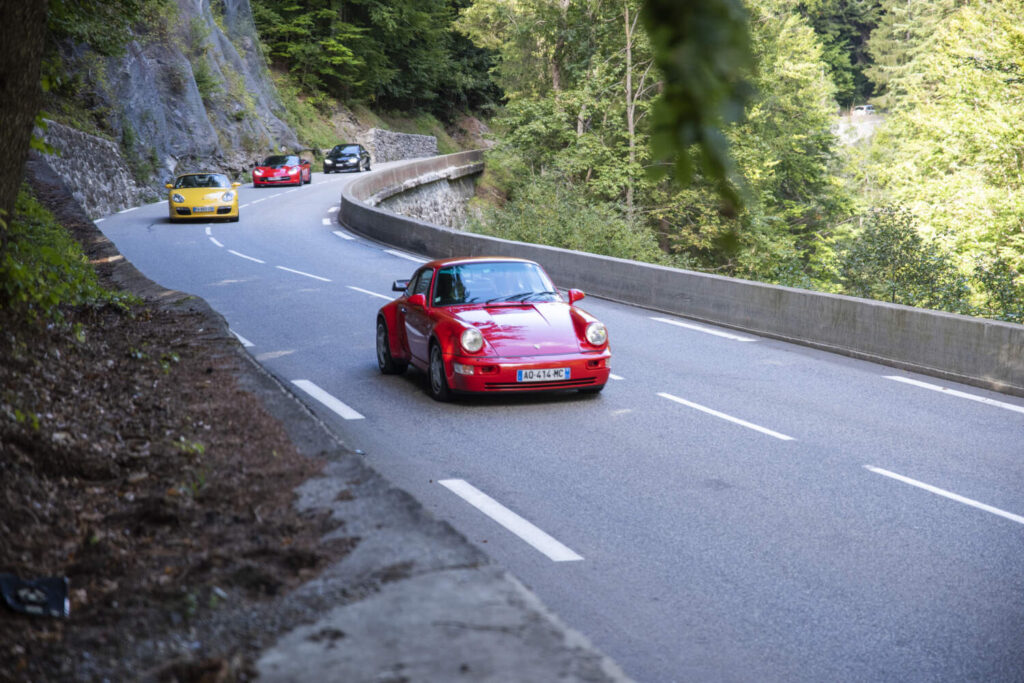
476 259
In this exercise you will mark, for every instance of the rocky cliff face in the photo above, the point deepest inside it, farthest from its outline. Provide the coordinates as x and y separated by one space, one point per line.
200 96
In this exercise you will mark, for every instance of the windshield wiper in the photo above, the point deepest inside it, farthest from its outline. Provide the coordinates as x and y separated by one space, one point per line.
509 297
546 292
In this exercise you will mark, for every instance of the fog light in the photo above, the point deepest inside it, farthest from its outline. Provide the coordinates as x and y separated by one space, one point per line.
461 369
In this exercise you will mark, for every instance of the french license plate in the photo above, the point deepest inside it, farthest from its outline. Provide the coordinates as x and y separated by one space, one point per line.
542 375
203 209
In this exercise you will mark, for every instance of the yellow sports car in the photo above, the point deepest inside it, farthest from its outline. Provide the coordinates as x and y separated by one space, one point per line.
203 196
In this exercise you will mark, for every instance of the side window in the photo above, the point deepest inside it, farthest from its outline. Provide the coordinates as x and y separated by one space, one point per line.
420 284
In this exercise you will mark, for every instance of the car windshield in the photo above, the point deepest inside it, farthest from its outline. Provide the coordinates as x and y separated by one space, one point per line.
281 160
202 180
345 149
505 282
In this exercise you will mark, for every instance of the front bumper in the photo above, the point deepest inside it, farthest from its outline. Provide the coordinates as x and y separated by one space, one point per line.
478 374
189 212
277 180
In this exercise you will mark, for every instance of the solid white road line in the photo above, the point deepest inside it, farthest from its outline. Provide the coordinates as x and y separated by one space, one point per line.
128 210
612 375
299 272
946 494
343 235
730 418
366 291
241 255
214 240
510 520
333 209
245 342
410 257
958 394
705 330
257 201
334 404
99 220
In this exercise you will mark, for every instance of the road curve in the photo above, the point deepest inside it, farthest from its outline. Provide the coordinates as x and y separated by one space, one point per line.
731 508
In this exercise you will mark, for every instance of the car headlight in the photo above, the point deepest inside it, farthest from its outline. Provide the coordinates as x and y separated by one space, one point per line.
177 198
472 340
597 334
257 172
328 162
227 196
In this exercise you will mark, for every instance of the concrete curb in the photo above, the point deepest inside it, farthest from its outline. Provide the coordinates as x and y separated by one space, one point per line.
983 353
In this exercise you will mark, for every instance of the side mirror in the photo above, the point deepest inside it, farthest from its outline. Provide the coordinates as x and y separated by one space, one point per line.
399 285
418 300
236 184
169 186
574 296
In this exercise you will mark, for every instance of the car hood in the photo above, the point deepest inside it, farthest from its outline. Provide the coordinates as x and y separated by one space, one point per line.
194 195
531 330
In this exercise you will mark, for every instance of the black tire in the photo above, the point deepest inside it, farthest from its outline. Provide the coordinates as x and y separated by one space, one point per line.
368 165
387 364
437 383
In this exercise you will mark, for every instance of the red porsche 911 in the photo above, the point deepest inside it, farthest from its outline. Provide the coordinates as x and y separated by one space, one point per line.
282 169
491 325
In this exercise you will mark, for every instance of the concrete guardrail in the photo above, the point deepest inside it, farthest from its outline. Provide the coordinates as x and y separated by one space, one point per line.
974 351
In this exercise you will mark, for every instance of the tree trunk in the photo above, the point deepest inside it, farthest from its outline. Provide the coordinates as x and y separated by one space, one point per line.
630 110
22 37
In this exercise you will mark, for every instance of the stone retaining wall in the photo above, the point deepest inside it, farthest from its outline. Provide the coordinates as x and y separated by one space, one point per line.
386 145
93 169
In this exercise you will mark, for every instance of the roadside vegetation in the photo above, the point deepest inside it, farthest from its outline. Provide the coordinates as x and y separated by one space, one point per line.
598 147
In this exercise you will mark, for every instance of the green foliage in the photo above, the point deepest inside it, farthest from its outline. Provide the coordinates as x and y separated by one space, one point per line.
1001 289
103 25
952 148
42 269
890 261
553 212
400 54
843 27
702 48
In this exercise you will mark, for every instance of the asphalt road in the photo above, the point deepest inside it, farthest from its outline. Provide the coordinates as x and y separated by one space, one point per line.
730 508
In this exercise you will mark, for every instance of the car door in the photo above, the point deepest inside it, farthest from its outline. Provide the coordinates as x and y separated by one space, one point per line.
415 319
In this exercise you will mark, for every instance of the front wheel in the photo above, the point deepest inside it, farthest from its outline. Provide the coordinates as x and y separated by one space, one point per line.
437 383
387 364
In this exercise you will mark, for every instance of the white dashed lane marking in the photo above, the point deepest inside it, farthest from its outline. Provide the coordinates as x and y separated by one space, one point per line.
525 530
241 255
946 494
366 291
409 257
958 394
705 330
325 398
730 418
304 274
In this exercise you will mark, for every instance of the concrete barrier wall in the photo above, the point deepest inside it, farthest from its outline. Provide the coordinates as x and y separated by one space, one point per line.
984 353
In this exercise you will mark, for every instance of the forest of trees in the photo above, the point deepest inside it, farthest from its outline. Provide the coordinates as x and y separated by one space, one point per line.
698 134
586 98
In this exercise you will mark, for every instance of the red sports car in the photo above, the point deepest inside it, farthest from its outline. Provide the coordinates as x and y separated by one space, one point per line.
282 169
490 325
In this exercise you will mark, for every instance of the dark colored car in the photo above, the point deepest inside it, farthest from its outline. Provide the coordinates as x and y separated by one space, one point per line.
347 158
282 169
